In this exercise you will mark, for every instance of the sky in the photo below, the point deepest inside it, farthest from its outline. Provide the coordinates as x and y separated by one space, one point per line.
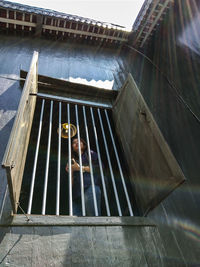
118 12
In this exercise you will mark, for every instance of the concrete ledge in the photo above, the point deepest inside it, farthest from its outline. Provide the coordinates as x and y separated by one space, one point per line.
53 220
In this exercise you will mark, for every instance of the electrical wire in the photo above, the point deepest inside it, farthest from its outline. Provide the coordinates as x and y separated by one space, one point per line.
168 81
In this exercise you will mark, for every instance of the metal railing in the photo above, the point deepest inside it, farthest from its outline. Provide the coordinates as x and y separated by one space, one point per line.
88 121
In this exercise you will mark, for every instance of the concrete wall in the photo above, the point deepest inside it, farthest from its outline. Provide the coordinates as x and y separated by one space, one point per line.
93 242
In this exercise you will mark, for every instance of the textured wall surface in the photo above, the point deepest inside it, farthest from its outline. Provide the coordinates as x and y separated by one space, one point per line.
81 246
176 53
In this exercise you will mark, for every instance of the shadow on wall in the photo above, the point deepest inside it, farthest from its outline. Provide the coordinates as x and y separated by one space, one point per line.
9 99
80 245
91 246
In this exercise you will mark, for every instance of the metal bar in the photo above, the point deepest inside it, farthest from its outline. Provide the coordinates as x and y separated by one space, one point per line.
35 160
119 165
58 167
90 163
80 163
69 162
110 165
47 162
74 100
100 163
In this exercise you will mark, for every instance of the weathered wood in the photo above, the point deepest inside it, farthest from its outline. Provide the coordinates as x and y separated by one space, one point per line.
153 168
18 22
58 87
38 29
70 86
91 34
15 155
79 101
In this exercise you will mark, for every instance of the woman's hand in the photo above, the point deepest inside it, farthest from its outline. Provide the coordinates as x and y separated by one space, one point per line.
75 166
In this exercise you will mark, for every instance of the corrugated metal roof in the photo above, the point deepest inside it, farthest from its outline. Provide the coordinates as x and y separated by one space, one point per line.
149 18
56 14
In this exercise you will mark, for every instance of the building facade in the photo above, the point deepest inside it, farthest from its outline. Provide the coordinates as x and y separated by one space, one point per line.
160 57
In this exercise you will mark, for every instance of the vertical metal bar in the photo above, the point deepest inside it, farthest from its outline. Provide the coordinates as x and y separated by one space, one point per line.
47 161
110 165
35 160
69 162
100 163
119 165
58 167
90 163
80 163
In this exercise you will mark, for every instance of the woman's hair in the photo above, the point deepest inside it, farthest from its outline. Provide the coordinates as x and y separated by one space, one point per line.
73 153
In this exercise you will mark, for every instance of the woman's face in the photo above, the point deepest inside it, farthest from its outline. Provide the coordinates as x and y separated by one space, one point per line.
75 145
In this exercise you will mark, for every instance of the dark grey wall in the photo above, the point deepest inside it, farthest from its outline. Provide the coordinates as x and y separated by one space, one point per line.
65 245
176 52
56 59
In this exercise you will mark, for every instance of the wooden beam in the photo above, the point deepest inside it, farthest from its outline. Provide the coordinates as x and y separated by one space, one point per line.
18 22
61 88
15 154
49 27
43 27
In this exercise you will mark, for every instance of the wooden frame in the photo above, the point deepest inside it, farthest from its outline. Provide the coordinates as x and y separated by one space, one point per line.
15 154
153 168
62 88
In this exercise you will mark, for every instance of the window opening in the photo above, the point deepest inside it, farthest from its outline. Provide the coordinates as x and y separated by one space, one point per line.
47 187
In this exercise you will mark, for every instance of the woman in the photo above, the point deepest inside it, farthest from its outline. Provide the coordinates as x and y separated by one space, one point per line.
76 184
